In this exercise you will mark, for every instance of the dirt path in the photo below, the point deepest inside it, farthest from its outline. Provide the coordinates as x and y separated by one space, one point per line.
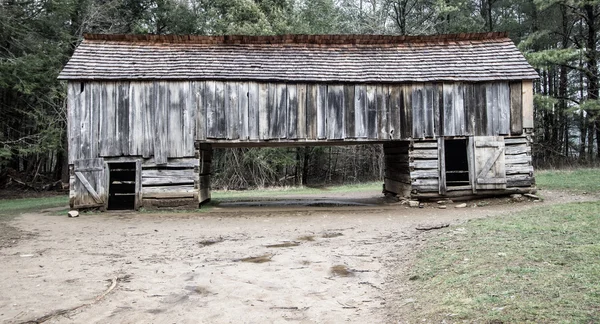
187 268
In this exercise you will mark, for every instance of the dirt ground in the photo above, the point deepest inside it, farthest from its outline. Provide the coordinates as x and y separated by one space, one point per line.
234 264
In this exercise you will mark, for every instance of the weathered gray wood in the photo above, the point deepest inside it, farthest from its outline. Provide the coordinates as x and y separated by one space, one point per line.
292 111
515 140
163 177
517 159
489 163
425 144
360 111
274 110
448 111
429 101
161 138
74 104
231 110
406 112
470 109
396 187
301 119
424 154
372 111
263 110
418 111
424 164
136 118
172 163
426 182
349 111
481 115
221 96
122 114
169 192
105 96
427 174
516 108
311 111
442 162
527 97
212 108
174 96
438 106
335 112
518 169
189 119
281 111
503 108
321 100
395 104
459 108
383 112
138 185
253 110
471 162
89 185
198 87
517 149
243 120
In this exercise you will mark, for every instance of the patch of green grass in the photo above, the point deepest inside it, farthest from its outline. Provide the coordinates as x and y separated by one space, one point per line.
289 191
587 180
540 266
18 206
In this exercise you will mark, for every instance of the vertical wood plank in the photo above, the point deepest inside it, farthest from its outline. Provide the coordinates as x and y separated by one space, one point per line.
360 111
122 113
449 124
150 100
301 115
232 106
243 123
281 111
349 111
406 112
491 96
136 120
73 111
272 111
292 111
200 110
442 165
481 117
470 107
321 111
174 98
138 184
438 104
189 119
335 114
503 108
219 109
253 110
418 112
459 108
372 112
527 96
428 108
516 111
383 112
395 103
161 121
263 111
311 111
210 103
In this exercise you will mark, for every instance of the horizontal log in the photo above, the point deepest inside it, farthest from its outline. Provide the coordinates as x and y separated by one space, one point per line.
424 154
175 190
518 169
515 140
424 188
517 149
520 183
424 164
172 163
425 182
456 188
418 174
157 177
425 144
517 159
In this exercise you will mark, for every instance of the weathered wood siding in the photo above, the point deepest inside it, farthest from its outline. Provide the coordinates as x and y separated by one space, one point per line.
371 112
146 119
396 171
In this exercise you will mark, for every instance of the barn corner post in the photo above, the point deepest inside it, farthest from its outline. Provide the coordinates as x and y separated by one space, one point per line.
204 156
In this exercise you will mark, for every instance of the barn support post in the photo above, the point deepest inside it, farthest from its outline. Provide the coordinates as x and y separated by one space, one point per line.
397 170
204 155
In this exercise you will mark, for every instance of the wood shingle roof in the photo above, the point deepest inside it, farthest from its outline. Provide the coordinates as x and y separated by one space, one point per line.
295 58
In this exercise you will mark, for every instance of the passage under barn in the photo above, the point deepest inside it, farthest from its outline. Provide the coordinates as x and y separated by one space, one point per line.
453 112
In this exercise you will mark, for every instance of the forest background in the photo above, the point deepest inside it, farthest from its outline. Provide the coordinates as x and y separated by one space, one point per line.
37 37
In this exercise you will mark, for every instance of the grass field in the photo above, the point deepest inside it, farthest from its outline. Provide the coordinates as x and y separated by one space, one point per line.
13 207
538 266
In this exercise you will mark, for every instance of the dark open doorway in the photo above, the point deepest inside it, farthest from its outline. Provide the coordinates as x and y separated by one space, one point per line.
122 185
457 164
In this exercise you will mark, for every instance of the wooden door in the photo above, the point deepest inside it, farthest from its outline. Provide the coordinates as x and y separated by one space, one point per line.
89 187
488 163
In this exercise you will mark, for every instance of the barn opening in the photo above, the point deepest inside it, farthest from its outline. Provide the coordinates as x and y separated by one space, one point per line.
121 190
457 163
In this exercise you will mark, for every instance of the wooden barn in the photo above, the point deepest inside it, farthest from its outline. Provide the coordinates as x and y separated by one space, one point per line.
454 113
